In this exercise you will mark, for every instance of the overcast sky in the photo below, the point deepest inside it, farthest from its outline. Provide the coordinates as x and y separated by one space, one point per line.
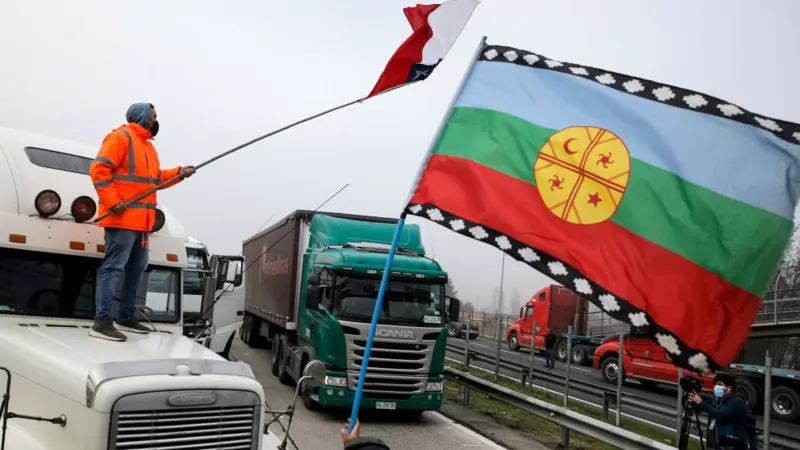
223 72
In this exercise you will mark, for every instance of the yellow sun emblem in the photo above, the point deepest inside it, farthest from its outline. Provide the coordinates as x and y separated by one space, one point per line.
582 174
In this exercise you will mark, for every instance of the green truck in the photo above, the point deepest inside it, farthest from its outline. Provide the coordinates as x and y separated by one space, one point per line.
310 290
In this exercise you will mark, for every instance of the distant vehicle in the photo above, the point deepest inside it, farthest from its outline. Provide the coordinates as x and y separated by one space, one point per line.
555 308
650 364
457 329
216 331
312 292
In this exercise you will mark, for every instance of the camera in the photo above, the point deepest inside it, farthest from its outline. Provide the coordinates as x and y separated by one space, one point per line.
691 384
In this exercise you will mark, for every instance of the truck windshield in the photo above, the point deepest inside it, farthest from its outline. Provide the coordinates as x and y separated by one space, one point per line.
419 304
63 286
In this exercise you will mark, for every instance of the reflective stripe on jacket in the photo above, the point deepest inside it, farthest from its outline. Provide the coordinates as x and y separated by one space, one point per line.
127 165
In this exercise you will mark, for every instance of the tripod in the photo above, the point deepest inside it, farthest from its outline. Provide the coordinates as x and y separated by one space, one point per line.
689 410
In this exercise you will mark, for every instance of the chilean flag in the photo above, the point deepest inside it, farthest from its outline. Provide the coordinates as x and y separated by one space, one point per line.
435 29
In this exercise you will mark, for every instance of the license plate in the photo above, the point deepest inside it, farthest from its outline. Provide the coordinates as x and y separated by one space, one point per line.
385 405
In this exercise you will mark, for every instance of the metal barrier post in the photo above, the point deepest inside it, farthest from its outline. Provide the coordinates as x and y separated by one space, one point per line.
606 401
533 350
466 344
678 421
767 399
620 373
499 311
565 430
466 395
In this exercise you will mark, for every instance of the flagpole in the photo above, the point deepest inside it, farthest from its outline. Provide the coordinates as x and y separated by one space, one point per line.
253 141
396 239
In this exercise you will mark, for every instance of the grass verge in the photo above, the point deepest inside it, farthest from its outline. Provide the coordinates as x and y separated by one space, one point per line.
535 427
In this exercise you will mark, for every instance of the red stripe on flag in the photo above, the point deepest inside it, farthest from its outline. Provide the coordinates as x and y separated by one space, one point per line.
706 312
409 52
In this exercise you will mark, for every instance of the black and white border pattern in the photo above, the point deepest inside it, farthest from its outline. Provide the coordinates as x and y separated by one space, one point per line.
682 355
651 90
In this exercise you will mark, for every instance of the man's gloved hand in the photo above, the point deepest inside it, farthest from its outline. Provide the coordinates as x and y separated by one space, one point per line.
186 171
119 208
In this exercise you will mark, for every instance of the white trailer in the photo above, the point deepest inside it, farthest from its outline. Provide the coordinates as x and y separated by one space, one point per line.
155 391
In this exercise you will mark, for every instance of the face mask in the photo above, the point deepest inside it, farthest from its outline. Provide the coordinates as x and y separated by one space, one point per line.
154 128
719 391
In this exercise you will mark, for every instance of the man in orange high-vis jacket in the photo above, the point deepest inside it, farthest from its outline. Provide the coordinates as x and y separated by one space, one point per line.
127 165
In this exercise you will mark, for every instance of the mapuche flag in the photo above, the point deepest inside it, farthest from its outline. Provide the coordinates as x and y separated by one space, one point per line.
435 29
667 208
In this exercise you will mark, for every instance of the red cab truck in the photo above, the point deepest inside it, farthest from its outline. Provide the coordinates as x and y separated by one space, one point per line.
555 308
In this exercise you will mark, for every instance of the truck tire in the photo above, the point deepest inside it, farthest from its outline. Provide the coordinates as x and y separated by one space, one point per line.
561 350
274 360
579 355
513 341
283 374
254 332
609 369
750 392
453 330
785 404
308 402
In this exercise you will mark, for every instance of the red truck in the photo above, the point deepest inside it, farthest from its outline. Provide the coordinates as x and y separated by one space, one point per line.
555 308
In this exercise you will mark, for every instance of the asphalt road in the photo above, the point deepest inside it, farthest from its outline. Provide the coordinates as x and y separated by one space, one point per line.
317 431
661 395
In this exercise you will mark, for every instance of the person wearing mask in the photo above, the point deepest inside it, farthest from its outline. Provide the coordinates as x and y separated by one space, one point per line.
126 166
727 415
352 441
550 350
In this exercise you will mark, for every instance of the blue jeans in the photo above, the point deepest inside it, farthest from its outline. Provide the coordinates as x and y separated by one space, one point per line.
550 358
125 256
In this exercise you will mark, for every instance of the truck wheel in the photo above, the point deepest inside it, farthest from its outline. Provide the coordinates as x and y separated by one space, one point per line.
579 355
254 332
561 351
308 402
244 332
274 361
749 392
513 342
610 369
453 330
283 375
785 404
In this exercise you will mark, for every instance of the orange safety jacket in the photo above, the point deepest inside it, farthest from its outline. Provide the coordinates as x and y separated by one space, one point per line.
127 165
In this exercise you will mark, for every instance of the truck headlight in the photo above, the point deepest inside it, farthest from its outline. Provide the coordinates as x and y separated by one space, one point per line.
434 386
336 381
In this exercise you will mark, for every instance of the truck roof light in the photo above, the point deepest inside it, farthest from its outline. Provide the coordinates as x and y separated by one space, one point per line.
420 275
101 248
347 268
372 271
83 208
160 220
17 238
75 245
47 203
172 257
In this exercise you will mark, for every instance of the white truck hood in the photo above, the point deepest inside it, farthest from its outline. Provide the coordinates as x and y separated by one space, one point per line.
59 357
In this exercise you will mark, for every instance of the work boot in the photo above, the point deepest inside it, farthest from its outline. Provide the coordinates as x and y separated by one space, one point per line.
133 326
106 330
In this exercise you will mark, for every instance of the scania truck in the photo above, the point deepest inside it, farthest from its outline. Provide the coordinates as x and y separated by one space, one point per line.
64 390
311 285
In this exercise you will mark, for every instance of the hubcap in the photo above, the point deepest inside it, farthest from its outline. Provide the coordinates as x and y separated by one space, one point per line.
513 341
612 370
783 404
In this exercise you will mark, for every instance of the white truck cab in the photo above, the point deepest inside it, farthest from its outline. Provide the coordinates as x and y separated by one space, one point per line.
213 325
64 390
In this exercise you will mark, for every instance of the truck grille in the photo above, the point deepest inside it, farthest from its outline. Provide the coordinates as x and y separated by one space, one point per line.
397 369
161 427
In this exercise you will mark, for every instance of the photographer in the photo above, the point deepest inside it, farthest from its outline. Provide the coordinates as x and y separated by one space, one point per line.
727 416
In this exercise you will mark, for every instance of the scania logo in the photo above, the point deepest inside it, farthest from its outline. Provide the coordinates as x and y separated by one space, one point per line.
395 333
192 400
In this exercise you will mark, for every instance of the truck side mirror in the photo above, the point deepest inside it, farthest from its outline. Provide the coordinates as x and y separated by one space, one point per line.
234 273
521 310
454 310
313 297
229 270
